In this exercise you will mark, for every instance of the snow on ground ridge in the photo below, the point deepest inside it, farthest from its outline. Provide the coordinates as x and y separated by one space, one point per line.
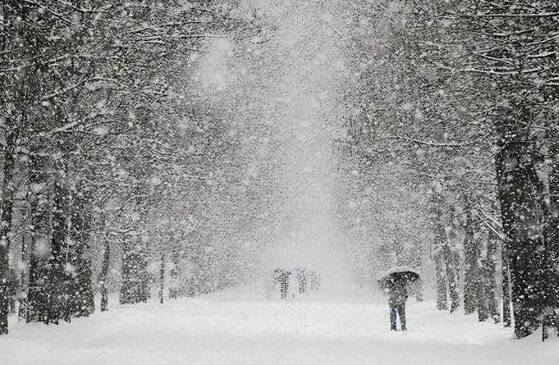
236 327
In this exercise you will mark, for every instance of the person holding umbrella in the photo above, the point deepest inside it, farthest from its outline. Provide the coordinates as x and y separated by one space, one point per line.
397 297
395 282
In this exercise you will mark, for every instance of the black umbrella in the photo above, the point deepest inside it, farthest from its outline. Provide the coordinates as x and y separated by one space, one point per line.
398 274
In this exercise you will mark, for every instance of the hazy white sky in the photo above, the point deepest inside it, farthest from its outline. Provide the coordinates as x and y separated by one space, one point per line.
301 66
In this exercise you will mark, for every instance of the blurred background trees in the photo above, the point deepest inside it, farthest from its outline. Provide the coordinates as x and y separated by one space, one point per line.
99 140
461 98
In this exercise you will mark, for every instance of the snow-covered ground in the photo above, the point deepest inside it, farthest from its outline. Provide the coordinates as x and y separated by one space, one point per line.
238 327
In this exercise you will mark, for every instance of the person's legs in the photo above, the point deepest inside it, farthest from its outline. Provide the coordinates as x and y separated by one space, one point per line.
392 317
402 315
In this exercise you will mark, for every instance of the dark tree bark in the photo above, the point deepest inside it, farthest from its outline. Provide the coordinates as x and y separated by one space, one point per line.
552 226
104 291
489 266
507 317
448 259
487 304
451 261
58 280
162 278
550 201
37 292
440 272
24 277
81 294
471 252
441 263
481 293
520 214
8 189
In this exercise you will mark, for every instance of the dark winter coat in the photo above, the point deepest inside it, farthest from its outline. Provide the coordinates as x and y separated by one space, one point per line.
397 293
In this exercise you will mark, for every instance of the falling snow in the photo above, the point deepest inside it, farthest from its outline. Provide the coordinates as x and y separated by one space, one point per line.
279 182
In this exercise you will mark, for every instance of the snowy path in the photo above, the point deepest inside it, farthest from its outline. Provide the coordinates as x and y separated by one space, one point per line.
237 329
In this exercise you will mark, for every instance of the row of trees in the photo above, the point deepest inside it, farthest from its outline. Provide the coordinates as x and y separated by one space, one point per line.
105 147
460 98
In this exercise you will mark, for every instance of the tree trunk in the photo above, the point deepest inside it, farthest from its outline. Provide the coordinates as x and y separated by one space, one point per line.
134 287
440 272
58 278
82 297
549 193
8 193
447 260
471 257
162 278
39 207
507 318
438 254
552 226
490 270
24 278
520 214
451 264
103 274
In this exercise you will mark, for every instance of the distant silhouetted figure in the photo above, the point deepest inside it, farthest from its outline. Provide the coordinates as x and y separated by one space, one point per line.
283 279
302 279
397 296
314 280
